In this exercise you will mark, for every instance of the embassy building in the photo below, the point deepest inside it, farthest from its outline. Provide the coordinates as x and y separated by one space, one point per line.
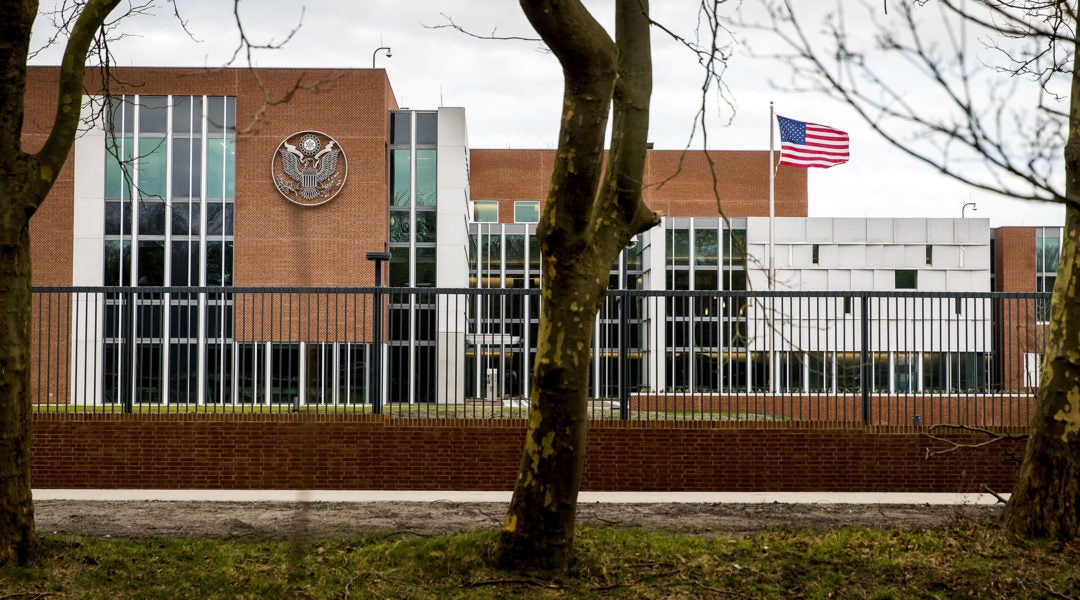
202 247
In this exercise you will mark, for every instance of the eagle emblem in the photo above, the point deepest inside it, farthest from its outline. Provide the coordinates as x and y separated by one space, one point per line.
309 168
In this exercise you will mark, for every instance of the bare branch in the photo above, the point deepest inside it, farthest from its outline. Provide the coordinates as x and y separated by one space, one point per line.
993 437
451 24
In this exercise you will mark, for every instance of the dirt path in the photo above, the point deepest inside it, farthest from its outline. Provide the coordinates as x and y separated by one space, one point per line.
155 519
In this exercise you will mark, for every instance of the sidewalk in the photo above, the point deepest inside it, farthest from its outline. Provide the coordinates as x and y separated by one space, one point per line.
504 497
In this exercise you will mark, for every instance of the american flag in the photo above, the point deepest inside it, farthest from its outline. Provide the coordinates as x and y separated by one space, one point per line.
811 145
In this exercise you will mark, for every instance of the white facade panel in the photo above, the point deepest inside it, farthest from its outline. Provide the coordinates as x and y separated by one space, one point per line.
849 231
909 231
879 231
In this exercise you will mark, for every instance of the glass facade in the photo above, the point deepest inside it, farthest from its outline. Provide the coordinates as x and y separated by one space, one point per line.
707 333
502 327
170 179
413 206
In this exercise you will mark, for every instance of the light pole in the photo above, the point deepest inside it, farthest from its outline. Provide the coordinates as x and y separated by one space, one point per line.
376 52
964 208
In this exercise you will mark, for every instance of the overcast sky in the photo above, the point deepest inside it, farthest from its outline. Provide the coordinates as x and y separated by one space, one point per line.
512 89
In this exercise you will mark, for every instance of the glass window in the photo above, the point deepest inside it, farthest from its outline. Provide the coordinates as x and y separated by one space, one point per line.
181 108
187 168
706 279
151 261
848 372
117 255
215 114
215 218
151 217
399 226
399 267
400 127
427 128
180 265
425 225
515 253
678 250
118 167
219 263
152 167
117 218
399 177
185 218
705 247
486 211
220 168
153 114
426 178
425 267
907 279
534 253
527 211
734 244
120 118
735 281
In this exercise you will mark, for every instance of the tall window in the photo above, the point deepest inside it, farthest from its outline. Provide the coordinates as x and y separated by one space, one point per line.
170 181
413 216
1047 252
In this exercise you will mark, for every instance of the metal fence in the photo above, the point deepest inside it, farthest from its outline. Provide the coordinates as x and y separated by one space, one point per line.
877 358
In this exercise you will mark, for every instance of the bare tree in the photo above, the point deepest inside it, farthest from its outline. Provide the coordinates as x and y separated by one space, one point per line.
25 180
592 212
1005 105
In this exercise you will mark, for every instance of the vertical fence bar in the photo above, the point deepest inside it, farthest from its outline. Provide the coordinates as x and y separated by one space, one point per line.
866 372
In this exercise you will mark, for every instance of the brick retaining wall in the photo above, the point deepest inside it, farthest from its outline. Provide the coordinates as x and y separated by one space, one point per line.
332 452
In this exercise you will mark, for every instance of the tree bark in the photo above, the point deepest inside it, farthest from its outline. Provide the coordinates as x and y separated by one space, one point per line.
1046 499
25 181
17 534
584 227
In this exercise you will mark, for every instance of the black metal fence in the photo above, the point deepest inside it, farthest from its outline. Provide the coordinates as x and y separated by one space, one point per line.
872 357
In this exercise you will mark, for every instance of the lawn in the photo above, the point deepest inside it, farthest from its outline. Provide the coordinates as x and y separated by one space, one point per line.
961 561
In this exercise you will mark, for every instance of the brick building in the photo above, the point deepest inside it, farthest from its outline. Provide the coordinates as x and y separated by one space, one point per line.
187 185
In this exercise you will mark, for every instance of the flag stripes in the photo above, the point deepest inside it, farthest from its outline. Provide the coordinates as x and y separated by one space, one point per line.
807 145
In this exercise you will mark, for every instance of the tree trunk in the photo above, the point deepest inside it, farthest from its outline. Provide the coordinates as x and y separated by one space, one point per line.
1044 502
17 534
585 225
1046 499
539 528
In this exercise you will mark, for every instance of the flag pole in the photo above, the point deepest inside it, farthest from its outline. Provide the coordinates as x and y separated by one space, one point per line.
772 197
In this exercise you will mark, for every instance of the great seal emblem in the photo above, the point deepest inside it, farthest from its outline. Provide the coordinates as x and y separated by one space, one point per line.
309 168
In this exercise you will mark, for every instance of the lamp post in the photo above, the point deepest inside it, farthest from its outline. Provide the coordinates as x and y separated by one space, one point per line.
376 52
376 375
964 208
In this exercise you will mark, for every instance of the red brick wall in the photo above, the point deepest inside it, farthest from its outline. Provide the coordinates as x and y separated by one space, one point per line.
676 182
1014 259
278 243
976 410
285 451
1019 332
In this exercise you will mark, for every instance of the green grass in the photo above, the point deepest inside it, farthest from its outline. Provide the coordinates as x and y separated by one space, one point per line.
968 561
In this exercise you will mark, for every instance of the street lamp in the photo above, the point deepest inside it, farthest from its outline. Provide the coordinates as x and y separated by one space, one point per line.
964 208
376 52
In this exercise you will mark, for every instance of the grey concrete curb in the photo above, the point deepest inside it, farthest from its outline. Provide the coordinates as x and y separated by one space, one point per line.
89 495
